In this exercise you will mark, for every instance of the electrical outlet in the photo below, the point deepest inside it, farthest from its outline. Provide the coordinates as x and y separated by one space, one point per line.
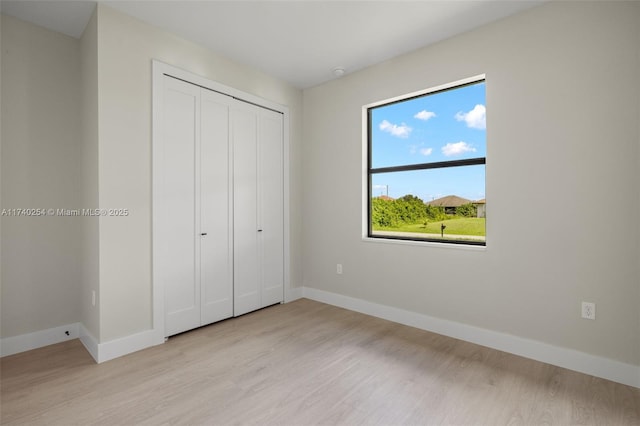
588 310
339 268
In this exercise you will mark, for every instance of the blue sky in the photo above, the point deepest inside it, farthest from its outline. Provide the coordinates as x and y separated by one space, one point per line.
444 126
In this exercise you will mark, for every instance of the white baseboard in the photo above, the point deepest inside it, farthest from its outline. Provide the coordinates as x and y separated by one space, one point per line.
38 339
125 345
90 343
100 352
292 294
605 368
107 351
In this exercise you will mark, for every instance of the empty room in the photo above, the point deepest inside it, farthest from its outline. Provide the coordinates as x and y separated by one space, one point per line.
320 212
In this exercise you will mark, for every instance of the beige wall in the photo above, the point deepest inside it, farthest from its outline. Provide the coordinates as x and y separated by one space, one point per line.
40 169
563 104
126 47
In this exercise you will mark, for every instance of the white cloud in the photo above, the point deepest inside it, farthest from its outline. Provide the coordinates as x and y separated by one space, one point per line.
424 115
426 151
401 131
476 118
457 148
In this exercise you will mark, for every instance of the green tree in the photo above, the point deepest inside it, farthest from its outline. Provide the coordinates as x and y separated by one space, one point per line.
410 209
383 213
467 210
407 210
435 213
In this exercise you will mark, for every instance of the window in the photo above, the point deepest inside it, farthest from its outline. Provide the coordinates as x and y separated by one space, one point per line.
426 158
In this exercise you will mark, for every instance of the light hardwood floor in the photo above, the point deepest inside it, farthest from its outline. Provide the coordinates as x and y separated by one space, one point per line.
306 363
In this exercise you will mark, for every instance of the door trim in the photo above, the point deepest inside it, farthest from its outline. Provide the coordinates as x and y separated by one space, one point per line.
158 70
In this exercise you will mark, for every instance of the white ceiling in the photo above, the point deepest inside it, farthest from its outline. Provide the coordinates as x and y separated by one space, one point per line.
298 41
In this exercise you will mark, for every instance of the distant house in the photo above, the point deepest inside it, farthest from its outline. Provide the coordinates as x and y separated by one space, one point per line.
481 207
385 198
450 203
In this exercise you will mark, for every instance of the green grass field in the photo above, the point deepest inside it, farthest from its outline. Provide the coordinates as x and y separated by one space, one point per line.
461 226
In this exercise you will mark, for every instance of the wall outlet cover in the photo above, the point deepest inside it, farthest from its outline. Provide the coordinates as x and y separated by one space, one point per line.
588 310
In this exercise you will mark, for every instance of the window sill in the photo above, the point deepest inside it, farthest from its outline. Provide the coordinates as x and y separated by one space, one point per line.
367 239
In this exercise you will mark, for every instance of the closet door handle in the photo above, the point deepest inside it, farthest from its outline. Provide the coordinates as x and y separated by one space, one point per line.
203 234
259 230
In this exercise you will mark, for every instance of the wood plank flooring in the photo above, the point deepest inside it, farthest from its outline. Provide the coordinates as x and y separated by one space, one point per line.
305 363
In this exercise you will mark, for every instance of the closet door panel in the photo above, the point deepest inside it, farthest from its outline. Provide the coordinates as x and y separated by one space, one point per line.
245 228
216 262
271 182
182 284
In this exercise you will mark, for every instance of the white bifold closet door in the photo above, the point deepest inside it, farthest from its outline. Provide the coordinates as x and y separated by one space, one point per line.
197 223
220 189
258 207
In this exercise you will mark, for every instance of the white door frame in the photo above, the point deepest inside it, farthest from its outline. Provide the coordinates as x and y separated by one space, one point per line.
159 69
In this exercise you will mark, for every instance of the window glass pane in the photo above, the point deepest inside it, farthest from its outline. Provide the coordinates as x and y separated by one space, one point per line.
443 126
418 203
